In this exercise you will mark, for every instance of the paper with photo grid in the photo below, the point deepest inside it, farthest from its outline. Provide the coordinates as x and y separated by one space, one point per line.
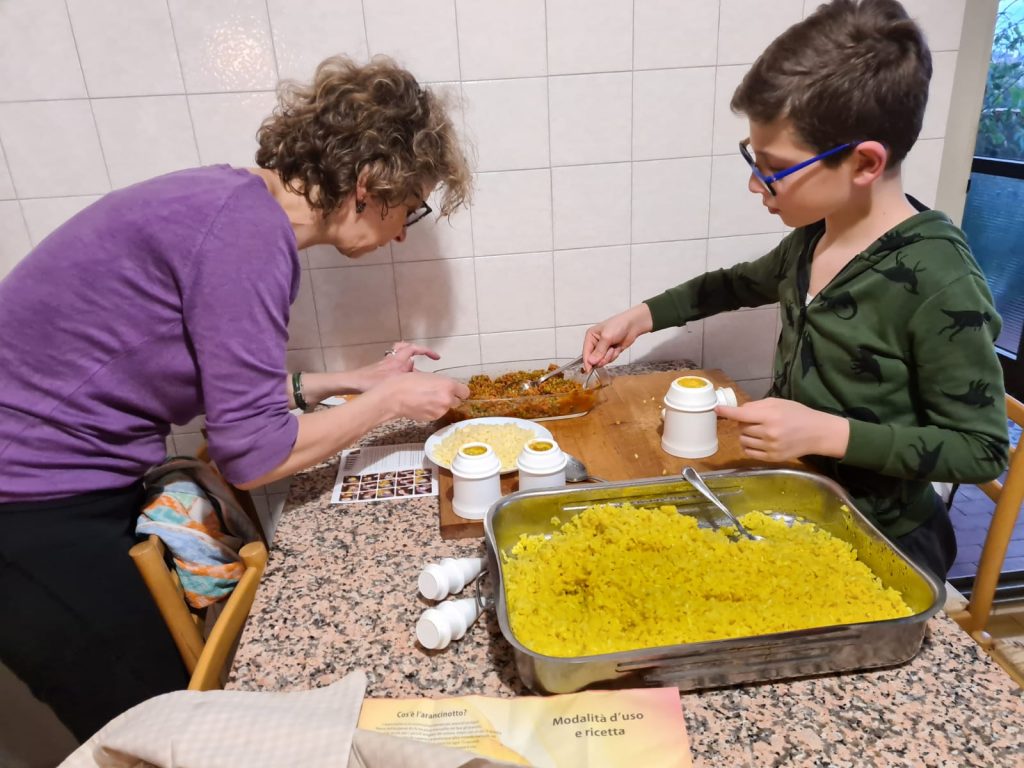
384 473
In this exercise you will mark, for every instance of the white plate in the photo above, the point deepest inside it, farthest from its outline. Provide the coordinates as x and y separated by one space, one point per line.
435 439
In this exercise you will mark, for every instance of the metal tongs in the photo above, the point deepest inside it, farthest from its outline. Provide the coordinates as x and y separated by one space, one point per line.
529 386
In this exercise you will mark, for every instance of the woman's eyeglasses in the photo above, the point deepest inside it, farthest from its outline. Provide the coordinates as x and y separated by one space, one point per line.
418 213
768 181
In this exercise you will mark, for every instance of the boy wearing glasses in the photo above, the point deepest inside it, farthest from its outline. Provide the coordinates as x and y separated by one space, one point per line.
885 373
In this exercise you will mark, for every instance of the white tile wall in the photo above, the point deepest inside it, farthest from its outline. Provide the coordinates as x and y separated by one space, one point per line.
512 212
669 344
586 210
126 49
657 266
670 199
305 32
735 210
303 332
590 118
941 21
674 33
356 305
225 125
6 185
502 39
437 238
937 112
455 351
14 240
422 36
590 284
224 46
306 360
509 123
730 129
673 112
724 252
45 214
324 256
921 170
605 145
741 343
52 148
587 36
745 27
515 292
145 136
517 345
436 298
37 52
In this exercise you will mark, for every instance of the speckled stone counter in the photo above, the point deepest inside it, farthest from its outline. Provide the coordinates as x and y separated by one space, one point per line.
339 594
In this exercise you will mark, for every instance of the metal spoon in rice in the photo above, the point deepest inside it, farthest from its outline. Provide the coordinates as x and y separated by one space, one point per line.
576 471
691 476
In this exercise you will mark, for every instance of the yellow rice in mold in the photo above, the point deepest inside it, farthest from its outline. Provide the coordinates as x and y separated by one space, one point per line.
617 578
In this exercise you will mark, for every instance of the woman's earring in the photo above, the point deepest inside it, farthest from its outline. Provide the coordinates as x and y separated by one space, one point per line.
360 206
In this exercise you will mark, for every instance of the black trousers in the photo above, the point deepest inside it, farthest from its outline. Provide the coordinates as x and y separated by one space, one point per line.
79 626
932 544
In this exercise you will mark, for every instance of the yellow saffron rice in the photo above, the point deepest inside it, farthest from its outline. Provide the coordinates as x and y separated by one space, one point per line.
617 578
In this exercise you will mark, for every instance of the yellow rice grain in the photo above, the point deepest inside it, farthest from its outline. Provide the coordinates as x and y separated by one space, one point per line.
617 578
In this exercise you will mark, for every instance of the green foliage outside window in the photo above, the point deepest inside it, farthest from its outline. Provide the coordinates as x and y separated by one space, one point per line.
1001 129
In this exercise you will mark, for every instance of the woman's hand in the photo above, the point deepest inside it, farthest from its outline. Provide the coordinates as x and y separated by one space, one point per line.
775 429
414 395
399 359
419 396
607 340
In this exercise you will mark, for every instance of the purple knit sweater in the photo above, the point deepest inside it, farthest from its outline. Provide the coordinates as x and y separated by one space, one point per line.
157 303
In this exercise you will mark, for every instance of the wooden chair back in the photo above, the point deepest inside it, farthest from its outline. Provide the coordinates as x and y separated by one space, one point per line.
244 498
204 658
1008 496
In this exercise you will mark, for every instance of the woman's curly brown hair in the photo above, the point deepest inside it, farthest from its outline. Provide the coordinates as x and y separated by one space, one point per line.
353 117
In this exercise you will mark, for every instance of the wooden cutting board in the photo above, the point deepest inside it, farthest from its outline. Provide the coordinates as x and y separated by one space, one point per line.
620 439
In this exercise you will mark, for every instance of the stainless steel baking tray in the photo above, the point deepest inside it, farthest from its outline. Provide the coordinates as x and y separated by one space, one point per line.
718 663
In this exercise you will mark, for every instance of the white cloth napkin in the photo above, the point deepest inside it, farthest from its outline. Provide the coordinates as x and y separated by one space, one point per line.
226 729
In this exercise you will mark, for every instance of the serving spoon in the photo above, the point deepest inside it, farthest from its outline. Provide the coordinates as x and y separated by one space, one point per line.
691 476
532 384
576 471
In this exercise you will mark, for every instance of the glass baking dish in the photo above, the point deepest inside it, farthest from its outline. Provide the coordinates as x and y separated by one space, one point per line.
540 407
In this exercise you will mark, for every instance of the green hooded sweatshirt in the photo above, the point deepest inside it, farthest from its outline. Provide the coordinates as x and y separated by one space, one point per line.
901 343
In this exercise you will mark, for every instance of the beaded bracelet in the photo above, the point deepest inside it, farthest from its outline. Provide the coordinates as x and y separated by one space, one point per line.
300 401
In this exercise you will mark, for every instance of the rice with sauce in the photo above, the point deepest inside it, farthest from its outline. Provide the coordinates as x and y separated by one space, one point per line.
506 440
617 578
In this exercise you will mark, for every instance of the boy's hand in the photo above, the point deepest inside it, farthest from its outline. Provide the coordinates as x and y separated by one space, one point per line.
775 429
608 339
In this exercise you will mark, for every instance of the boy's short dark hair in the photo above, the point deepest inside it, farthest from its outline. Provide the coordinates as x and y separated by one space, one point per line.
852 70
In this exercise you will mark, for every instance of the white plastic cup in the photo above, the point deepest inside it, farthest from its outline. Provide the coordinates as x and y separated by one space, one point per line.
476 472
541 464
691 425
438 580
447 621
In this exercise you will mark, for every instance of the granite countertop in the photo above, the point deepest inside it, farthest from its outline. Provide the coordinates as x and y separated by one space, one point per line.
339 593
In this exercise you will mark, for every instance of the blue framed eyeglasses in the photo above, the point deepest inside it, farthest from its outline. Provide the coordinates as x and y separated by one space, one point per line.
767 181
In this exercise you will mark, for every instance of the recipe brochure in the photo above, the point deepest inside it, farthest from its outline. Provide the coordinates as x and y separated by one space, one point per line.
384 472
641 726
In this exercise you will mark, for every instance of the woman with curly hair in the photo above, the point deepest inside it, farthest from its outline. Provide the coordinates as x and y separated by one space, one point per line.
169 299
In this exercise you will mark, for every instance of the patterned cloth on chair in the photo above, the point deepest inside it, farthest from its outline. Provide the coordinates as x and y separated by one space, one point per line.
195 514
